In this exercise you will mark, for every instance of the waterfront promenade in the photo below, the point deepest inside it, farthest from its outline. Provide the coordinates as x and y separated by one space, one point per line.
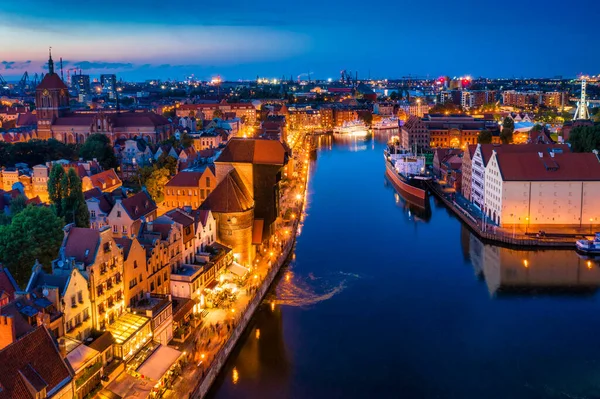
484 228
209 346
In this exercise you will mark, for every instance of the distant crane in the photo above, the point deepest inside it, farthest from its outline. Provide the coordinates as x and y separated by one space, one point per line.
2 81
24 82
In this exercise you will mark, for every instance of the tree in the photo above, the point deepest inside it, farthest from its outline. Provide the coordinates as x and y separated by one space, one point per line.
98 146
168 162
186 140
585 138
508 128
34 233
74 207
218 114
366 117
17 205
55 187
485 137
156 182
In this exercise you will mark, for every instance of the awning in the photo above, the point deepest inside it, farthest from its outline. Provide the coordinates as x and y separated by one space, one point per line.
257 231
81 356
211 285
157 365
238 269
183 310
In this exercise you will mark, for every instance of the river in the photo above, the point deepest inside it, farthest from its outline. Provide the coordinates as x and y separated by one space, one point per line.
383 300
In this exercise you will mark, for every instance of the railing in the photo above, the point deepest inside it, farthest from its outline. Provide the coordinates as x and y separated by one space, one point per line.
498 235
220 358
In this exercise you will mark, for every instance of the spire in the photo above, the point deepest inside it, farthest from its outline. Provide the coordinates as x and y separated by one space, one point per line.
50 62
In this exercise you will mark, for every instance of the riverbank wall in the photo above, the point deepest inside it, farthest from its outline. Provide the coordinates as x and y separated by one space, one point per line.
498 236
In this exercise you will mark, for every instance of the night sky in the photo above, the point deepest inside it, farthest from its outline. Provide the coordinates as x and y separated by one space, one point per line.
239 39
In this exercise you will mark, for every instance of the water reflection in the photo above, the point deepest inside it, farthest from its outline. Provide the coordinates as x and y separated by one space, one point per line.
295 290
546 272
262 363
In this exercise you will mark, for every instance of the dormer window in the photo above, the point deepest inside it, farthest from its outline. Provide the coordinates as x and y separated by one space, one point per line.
118 214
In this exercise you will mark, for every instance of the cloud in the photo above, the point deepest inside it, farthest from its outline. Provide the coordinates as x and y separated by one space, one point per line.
102 65
6 65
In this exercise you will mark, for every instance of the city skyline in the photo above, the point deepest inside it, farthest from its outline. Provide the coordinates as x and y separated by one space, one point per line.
143 40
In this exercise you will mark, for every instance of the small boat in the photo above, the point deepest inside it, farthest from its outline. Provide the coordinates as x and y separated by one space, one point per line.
388 124
589 246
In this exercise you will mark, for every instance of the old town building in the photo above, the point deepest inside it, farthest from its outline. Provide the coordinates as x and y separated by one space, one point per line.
190 188
100 260
456 131
128 214
414 133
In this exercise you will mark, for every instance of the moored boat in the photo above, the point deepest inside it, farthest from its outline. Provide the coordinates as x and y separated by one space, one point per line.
351 129
407 171
589 246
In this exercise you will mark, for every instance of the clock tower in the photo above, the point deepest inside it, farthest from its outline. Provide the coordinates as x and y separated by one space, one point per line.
51 101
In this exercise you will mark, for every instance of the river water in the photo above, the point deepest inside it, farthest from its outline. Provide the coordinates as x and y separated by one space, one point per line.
385 300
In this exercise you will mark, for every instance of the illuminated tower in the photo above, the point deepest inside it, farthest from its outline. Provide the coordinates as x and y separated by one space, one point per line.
582 105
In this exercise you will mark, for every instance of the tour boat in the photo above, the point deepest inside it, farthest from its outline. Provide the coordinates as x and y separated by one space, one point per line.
387 124
351 129
589 246
407 171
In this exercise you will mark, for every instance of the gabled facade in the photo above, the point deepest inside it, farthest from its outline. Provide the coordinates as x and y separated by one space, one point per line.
189 188
100 260
127 215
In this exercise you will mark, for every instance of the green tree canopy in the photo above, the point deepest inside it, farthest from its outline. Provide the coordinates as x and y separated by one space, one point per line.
55 187
98 146
168 162
508 128
585 138
73 202
218 114
36 152
485 137
366 117
155 183
34 233
186 140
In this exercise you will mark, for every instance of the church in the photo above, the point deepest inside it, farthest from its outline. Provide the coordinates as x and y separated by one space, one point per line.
56 120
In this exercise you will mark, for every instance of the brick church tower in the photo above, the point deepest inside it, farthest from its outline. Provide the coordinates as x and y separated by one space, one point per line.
51 101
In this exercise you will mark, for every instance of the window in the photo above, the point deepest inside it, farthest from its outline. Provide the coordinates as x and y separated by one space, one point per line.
124 229
86 314
73 302
202 193
80 296
93 214
115 228
118 214
208 182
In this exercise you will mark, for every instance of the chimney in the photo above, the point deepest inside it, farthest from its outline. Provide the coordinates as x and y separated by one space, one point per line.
62 347
8 334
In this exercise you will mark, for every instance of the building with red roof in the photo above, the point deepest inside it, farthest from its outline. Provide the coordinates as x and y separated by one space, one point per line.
190 188
545 188
33 367
128 214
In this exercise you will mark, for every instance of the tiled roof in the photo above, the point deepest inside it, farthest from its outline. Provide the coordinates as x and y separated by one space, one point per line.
43 279
257 151
27 119
138 205
201 215
181 217
185 179
33 359
74 120
51 81
487 149
230 195
102 342
8 285
125 244
82 244
562 167
104 199
106 181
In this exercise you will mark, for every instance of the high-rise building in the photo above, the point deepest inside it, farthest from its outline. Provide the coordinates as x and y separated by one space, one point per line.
109 83
81 83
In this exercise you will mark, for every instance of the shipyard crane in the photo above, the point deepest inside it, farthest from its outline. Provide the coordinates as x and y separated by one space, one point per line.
2 81
23 83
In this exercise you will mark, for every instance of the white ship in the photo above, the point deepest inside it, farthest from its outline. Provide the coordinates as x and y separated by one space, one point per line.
387 124
589 246
351 129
